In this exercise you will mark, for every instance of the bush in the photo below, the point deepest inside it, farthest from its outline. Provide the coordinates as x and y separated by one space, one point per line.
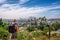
36 33
30 29
21 35
54 35
46 29
4 34
5 25
30 37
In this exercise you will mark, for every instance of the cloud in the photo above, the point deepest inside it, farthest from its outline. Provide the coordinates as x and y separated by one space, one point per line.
23 1
14 1
55 15
12 11
2 1
56 3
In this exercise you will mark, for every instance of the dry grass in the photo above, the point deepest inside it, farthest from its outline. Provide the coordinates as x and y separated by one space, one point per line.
44 38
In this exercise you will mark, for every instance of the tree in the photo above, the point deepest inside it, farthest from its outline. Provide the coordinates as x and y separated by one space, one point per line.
35 22
5 25
43 19
1 21
43 22
56 25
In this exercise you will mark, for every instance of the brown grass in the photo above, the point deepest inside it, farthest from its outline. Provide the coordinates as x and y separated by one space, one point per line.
44 38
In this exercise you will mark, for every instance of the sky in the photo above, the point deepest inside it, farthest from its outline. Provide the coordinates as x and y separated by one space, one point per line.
15 9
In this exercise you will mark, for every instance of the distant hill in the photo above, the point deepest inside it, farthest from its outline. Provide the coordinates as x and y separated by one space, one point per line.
25 20
54 19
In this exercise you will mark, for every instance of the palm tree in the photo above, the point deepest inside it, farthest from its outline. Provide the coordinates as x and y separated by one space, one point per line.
35 21
42 23
43 19
39 19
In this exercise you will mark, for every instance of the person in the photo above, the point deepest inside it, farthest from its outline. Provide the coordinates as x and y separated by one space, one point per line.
13 34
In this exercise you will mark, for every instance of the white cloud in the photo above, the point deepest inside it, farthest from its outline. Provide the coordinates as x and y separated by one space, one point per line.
23 12
23 1
2 1
15 11
55 3
10 6
55 15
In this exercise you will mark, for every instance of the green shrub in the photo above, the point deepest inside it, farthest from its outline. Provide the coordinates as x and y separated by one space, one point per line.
30 29
46 29
5 25
4 34
21 35
36 33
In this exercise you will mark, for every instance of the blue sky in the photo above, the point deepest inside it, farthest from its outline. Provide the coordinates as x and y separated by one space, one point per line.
25 8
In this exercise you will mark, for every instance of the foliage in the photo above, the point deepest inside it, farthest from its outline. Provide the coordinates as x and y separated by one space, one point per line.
56 25
46 29
21 35
30 29
4 34
29 36
1 21
36 33
41 27
5 25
